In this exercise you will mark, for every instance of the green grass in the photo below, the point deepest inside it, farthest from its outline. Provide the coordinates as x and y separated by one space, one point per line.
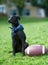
36 32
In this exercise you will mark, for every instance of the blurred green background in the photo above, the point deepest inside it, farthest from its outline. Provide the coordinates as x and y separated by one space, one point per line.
36 31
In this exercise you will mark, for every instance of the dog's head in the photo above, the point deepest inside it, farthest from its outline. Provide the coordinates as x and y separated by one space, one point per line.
14 20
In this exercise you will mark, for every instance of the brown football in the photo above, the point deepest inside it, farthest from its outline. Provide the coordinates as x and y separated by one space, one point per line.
34 50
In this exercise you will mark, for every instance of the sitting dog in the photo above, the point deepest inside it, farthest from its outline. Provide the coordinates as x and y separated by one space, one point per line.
19 43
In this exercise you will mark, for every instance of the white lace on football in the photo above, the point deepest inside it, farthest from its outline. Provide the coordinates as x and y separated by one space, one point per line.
28 50
43 49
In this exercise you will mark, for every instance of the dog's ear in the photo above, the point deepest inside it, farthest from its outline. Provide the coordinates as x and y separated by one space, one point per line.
18 17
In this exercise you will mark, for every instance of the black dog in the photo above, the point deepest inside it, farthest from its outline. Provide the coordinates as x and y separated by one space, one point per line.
18 36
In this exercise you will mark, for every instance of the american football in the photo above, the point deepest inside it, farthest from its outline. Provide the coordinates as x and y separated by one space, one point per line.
35 50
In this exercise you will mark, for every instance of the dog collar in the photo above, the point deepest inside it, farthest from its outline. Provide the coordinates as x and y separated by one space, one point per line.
19 27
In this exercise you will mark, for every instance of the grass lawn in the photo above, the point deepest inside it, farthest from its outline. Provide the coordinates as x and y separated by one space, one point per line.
36 32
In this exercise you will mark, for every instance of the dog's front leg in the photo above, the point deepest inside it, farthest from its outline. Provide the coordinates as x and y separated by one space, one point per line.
23 48
13 44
